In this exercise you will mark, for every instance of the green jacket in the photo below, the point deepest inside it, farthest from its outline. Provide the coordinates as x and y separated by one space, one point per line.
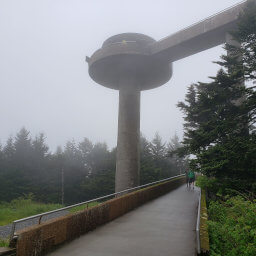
191 174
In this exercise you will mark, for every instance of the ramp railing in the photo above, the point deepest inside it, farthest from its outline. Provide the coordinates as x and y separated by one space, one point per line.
198 245
41 215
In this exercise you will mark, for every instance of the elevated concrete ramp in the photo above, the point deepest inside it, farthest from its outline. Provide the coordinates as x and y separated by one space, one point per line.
164 226
198 37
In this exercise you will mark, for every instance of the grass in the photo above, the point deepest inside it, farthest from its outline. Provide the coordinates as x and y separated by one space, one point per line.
4 242
82 207
21 208
25 207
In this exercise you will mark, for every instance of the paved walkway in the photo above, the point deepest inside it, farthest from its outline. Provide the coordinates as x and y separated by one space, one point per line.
162 227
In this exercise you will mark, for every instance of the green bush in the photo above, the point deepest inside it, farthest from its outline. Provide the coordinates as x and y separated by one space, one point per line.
232 227
206 183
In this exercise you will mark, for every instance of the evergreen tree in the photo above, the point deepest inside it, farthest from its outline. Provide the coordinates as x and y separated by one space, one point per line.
144 148
39 147
9 150
220 115
23 147
180 162
243 58
148 171
157 147
27 166
74 172
85 148
99 157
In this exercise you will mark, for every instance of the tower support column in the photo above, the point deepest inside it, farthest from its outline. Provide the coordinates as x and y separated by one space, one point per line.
128 149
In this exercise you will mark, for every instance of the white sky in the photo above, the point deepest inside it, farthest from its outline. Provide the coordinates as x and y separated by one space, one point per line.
44 82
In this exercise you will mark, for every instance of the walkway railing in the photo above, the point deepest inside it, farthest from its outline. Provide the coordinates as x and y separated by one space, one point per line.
41 215
198 224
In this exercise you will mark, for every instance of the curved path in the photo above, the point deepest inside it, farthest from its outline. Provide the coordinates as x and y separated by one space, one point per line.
164 226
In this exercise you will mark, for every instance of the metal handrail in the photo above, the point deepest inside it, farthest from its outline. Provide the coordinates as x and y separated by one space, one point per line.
198 224
86 202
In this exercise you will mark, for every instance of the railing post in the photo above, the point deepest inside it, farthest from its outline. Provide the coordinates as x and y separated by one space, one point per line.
40 218
12 230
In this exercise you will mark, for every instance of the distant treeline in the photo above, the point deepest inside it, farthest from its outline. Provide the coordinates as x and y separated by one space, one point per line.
80 171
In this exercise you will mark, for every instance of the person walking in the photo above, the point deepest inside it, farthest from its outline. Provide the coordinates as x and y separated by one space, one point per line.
187 179
191 178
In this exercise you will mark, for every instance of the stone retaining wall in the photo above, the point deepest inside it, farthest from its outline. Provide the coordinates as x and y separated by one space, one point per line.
40 239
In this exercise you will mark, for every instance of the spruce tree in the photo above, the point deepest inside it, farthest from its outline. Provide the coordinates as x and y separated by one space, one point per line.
157 147
220 115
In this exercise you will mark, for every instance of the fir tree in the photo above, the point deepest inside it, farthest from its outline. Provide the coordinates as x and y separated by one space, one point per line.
157 147
220 115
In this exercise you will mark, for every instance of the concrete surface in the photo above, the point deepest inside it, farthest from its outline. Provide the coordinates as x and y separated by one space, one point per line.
165 226
126 56
128 147
198 37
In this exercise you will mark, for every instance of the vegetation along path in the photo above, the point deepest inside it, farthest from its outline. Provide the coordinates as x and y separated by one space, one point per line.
164 226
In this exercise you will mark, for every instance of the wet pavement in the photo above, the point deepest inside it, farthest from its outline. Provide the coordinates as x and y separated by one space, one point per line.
164 226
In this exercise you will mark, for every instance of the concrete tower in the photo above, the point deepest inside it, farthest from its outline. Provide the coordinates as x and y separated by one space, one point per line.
125 63
133 62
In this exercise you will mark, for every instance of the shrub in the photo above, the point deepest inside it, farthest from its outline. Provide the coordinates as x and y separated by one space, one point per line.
205 183
232 227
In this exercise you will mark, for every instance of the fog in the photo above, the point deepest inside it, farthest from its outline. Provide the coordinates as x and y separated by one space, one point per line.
44 81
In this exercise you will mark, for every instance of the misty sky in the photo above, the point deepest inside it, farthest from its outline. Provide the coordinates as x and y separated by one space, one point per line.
44 82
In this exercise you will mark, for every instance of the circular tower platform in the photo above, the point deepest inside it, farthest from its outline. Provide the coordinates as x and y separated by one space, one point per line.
127 56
